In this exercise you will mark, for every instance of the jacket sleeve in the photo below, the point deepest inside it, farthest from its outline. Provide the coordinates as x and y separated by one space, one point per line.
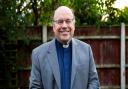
93 81
35 76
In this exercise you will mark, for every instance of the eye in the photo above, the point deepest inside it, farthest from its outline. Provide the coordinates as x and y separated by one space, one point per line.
68 21
59 21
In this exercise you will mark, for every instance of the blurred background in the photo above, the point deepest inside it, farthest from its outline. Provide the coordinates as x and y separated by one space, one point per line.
25 24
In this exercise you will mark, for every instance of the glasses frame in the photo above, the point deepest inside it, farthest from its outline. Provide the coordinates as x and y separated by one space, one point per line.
61 21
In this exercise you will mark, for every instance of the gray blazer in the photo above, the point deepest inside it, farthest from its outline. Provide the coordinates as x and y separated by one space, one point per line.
45 68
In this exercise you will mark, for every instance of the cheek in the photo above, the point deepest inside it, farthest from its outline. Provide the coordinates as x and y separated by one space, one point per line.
55 26
55 29
73 28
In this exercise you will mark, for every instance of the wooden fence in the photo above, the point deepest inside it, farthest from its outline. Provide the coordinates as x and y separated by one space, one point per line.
106 46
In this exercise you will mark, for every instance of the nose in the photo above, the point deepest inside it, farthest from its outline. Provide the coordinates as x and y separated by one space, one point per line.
64 25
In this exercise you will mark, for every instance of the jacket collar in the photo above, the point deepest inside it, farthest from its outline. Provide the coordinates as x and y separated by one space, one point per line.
52 57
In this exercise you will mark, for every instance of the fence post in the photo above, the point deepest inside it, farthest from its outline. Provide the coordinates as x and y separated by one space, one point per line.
44 34
122 71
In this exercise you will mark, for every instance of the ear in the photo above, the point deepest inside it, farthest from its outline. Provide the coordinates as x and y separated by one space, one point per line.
53 27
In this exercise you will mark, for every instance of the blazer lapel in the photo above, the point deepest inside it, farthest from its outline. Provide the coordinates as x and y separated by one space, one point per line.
75 59
53 60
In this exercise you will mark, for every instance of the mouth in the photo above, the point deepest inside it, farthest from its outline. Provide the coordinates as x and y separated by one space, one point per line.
64 31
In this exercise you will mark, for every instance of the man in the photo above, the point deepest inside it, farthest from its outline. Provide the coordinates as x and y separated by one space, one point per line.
64 62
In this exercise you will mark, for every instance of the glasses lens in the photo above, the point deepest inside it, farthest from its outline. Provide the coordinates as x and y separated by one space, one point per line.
67 21
60 21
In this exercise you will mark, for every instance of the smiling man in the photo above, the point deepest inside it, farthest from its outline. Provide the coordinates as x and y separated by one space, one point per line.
64 62
64 24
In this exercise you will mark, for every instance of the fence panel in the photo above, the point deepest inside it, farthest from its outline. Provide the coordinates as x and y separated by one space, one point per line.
105 43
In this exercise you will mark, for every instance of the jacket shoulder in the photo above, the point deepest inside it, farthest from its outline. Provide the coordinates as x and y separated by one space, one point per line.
41 48
81 43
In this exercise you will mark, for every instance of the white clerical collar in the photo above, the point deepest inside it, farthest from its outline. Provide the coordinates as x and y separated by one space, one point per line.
66 46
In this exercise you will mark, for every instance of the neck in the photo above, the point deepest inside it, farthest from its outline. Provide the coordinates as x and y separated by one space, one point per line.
64 42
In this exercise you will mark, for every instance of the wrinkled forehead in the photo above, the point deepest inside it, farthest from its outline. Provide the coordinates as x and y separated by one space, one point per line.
63 12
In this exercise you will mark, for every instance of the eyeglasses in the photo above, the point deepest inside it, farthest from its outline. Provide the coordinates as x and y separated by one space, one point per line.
60 22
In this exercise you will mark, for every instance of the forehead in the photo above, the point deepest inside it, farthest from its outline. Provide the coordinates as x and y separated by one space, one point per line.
63 13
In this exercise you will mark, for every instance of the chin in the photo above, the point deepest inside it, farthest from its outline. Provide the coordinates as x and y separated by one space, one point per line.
65 40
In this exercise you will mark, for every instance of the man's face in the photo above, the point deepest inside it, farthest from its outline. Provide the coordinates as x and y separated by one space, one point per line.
64 25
